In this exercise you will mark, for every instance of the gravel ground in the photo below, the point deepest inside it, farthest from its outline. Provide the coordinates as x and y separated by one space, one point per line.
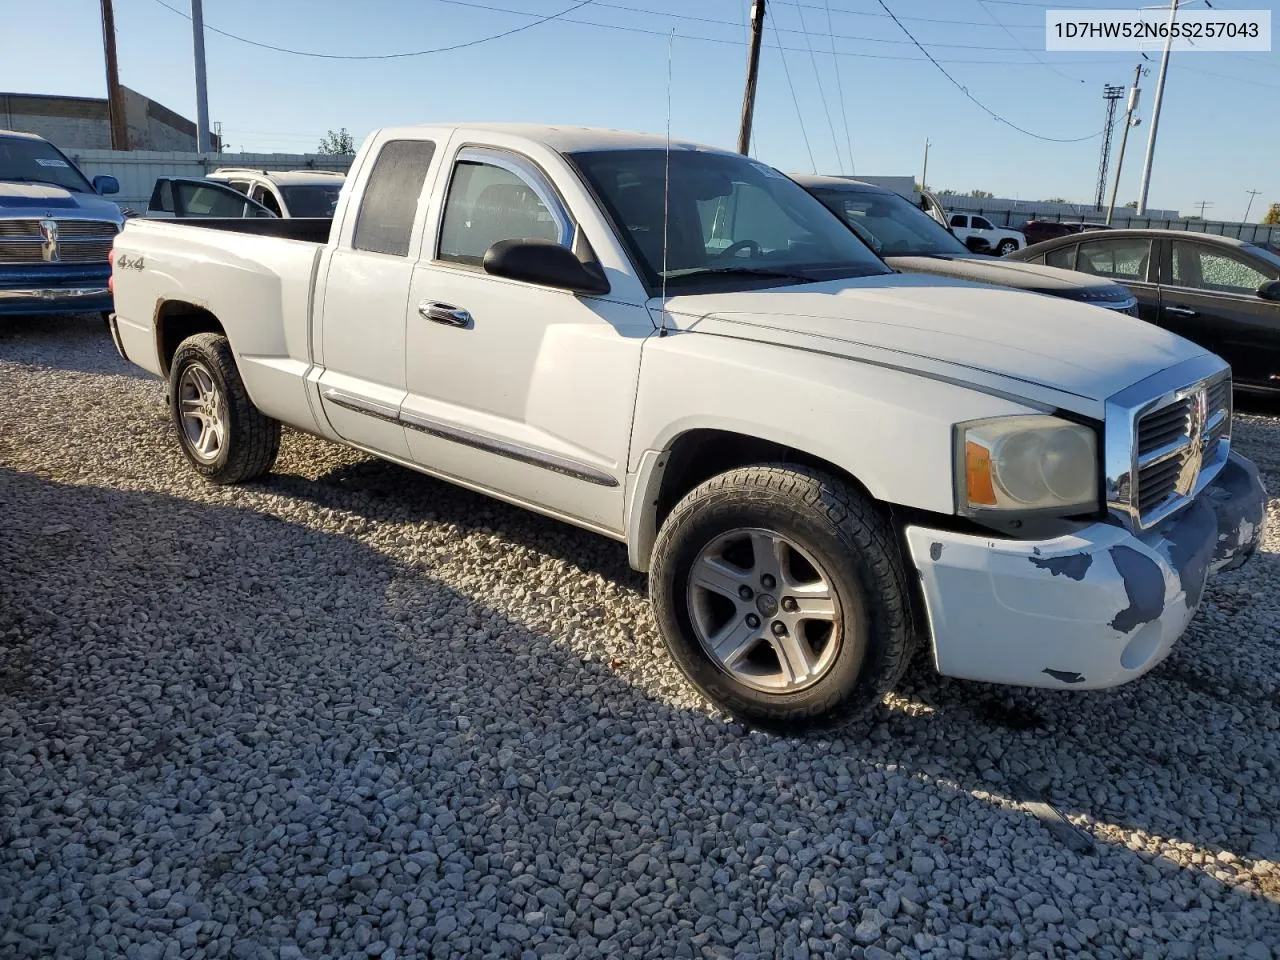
355 712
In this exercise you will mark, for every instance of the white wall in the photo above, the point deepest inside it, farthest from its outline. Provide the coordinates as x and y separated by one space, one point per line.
137 170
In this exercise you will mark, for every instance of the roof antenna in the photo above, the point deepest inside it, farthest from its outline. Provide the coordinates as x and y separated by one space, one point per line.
666 195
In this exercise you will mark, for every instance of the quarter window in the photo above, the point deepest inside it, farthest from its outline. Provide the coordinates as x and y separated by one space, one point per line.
1064 257
1198 266
1123 259
486 204
390 203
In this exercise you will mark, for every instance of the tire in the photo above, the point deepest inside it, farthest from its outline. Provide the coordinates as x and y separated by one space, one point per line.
205 388
829 529
1006 247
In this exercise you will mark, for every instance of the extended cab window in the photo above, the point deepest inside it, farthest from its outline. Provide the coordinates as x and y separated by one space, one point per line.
1198 266
486 204
390 203
1124 259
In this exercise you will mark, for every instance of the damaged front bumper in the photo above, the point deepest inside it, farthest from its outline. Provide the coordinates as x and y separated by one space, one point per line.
1092 609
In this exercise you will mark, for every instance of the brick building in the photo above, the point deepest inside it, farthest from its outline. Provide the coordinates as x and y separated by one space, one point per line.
82 122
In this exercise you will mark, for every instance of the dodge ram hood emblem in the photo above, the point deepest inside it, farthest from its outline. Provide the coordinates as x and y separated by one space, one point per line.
49 240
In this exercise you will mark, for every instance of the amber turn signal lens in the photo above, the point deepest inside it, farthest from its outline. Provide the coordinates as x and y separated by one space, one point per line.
977 474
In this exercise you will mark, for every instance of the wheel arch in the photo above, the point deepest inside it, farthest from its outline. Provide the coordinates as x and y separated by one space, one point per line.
697 454
175 321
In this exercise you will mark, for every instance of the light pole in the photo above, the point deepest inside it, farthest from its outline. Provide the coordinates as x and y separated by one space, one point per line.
1129 121
924 174
1155 112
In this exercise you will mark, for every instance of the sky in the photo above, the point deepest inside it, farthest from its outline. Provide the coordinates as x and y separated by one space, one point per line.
866 110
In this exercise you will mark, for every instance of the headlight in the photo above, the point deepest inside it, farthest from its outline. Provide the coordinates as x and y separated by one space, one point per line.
1028 464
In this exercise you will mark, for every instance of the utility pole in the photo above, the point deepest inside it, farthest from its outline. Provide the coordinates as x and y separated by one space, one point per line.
924 174
1155 112
1252 194
753 71
203 144
1202 204
1129 121
115 95
1111 94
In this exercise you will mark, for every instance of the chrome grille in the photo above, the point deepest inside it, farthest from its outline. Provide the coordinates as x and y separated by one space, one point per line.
20 251
80 229
78 241
1175 442
84 251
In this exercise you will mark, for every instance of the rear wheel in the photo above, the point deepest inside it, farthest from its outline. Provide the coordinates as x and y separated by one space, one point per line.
780 594
224 436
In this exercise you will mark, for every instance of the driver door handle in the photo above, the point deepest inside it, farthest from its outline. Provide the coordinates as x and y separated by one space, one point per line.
447 314
1181 311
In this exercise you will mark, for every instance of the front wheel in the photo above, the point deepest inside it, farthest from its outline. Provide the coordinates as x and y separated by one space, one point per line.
781 595
224 436
1007 247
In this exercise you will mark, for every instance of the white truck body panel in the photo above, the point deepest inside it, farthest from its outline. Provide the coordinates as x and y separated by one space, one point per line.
571 404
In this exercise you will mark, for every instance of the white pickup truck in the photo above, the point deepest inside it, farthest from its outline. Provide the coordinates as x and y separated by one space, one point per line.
818 461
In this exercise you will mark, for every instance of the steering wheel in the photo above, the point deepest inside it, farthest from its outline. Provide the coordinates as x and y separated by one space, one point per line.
732 249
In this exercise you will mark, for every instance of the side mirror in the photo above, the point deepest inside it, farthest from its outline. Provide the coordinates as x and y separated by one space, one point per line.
1270 290
105 184
978 244
546 263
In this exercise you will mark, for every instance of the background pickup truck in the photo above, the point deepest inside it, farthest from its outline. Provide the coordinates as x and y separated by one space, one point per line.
818 461
55 230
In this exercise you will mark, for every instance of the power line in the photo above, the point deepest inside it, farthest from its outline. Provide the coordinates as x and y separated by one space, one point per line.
822 93
1225 76
963 89
794 99
844 110
385 56
1031 53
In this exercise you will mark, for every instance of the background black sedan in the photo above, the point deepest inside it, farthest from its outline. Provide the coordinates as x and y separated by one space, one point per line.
1220 292
911 241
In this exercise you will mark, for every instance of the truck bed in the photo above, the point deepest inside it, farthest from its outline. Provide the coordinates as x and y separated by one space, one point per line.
306 229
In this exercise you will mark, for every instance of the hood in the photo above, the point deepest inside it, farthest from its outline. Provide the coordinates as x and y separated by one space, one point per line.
1022 276
47 200
993 338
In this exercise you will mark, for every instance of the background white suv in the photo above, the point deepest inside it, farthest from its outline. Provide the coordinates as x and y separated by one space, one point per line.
1002 239
286 193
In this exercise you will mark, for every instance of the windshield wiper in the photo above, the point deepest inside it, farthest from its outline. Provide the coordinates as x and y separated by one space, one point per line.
51 183
741 272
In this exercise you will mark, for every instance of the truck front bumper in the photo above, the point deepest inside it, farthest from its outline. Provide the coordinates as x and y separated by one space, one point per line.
1092 609
55 288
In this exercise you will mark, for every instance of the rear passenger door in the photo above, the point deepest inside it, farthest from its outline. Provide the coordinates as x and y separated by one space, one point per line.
364 294
1209 295
1126 260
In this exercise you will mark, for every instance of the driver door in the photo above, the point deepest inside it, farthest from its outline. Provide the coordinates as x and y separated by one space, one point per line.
519 390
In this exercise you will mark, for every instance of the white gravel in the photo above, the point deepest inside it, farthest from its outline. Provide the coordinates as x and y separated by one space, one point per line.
355 712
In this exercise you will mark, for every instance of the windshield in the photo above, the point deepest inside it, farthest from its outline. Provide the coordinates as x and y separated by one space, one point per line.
732 220
38 161
312 200
891 225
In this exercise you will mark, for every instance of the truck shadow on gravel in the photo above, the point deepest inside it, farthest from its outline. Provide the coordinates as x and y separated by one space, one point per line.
1086 748
60 340
236 730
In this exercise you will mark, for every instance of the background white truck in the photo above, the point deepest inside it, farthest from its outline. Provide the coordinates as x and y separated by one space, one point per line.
817 460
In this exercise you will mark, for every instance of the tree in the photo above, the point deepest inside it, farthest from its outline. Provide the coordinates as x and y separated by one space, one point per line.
337 143
1272 219
981 194
1133 204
